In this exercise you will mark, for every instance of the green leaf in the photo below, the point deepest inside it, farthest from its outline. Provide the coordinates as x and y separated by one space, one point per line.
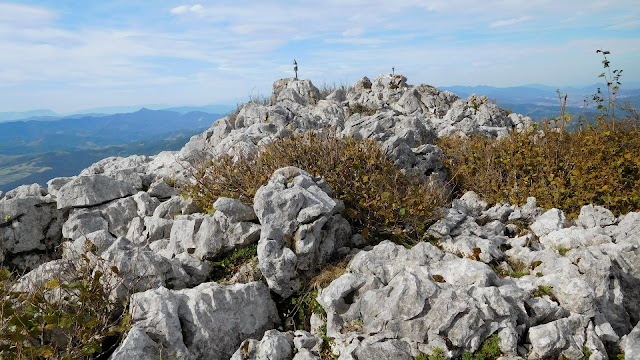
52 284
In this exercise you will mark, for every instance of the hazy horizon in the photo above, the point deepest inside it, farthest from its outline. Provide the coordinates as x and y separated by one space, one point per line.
69 56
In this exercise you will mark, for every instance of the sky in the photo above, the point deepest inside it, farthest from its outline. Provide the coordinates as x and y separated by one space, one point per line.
70 55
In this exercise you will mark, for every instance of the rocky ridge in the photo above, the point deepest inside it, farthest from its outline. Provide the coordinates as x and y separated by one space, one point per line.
547 287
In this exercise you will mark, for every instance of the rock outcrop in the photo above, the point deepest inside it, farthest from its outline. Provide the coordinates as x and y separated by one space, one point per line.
547 287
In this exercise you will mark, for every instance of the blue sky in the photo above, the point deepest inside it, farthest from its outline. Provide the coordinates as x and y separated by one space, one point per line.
69 55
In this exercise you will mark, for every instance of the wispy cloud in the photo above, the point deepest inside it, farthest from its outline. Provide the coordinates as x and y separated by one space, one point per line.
509 22
184 9
625 25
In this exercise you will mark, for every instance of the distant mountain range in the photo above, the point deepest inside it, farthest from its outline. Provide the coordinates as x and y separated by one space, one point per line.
94 132
49 115
39 150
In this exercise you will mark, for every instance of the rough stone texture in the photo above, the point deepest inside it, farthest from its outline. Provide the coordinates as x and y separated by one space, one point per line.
209 321
301 227
562 286
30 226
273 346
595 216
298 91
423 297
137 345
551 220
85 191
563 337
630 344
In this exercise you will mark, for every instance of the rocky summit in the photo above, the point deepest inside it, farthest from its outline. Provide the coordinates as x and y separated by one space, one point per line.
543 287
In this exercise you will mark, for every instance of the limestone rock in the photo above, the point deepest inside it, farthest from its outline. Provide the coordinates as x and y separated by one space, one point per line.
209 321
298 91
551 220
29 223
301 227
274 345
85 191
421 296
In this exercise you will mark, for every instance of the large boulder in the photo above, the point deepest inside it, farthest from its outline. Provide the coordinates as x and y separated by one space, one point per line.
294 90
86 191
301 227
30 226
209 321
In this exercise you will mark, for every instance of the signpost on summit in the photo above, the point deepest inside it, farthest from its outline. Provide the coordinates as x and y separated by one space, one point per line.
295 68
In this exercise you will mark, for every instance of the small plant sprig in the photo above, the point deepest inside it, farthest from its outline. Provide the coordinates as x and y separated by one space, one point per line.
607 103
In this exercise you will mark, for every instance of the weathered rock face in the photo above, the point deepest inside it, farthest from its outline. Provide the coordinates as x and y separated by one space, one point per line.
278 345
30 226
85 191
298 91
301 227
209 321
423 297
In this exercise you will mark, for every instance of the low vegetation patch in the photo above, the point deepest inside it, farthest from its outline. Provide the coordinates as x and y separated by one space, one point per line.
69 317
490 350
361 109
598 165
380 201
296 311
227 265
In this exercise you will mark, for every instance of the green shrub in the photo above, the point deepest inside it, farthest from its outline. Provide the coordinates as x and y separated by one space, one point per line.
379 198
437 354
543 290
599 165
69 317
489 350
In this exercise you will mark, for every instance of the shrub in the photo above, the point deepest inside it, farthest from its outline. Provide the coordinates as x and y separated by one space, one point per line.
489 350
68 317
438 354
566 170
542 291
380 200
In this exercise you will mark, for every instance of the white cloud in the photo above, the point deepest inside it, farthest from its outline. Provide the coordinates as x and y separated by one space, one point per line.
24 15
509 22
183 9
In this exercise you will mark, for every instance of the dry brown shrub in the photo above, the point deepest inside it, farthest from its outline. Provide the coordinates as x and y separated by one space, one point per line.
599 165
378 197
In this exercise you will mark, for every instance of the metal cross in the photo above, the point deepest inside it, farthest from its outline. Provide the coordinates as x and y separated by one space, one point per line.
295 68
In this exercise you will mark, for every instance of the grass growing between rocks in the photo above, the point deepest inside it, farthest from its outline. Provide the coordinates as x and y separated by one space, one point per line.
380 200
599 165
226 266
68 317
296 311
